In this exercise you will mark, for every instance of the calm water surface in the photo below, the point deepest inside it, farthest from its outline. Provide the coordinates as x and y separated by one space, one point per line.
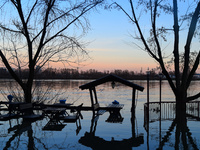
18 134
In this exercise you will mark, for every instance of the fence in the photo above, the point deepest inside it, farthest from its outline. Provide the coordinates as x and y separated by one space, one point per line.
152 111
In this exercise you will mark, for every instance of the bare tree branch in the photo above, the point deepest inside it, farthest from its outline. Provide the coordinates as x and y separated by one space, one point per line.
50 5
190 36
193 97
192 72
11 70
32 9
10 30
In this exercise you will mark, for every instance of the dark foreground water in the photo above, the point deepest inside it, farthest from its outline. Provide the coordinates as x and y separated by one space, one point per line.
99 134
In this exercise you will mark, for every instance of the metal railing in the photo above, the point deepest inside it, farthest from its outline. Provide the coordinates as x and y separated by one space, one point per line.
166 110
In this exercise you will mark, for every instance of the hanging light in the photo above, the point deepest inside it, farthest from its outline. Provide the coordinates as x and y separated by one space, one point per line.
113 84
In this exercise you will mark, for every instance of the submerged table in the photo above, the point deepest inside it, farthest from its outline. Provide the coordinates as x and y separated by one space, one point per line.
54 112
115 108
12 106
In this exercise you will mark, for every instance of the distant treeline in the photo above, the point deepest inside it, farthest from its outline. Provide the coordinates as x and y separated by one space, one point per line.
88 74
53 73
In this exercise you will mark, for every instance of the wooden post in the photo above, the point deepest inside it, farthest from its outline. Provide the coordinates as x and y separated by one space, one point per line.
133 113
95 95
148 87
91 97
133 101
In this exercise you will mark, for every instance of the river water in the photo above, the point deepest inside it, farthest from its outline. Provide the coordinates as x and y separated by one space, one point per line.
158 132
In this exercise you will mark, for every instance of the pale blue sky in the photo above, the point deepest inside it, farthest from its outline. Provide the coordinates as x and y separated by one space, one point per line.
111 46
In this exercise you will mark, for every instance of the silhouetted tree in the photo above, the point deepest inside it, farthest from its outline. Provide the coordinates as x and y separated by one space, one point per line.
159 33
34 32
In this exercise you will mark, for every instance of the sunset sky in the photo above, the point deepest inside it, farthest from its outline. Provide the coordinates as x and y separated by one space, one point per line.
111 46
111 43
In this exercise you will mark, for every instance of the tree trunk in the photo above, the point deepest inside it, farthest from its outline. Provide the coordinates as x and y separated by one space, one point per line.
27 96
28 93
29 84
181 128
181 105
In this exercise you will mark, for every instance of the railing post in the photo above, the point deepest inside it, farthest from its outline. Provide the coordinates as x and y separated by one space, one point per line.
148 87
160 77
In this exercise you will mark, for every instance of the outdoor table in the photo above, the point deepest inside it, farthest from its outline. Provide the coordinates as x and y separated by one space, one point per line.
53 112
11 103
115 108
12 106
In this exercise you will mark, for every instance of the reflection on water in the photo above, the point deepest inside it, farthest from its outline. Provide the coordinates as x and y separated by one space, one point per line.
162 131
98 143
178 130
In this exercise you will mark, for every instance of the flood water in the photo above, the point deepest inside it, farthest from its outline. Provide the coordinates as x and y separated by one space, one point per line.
98 134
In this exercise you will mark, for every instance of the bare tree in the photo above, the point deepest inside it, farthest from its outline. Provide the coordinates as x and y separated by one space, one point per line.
34 32
159 33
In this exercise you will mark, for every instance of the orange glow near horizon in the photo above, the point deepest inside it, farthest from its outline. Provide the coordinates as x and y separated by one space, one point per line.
108 66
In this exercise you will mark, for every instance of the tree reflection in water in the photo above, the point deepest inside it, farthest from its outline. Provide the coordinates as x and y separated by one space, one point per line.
98 143
183 136
23 130
19 130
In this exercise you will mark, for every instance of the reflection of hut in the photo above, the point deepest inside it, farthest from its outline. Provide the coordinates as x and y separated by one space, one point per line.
98 143
109 78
